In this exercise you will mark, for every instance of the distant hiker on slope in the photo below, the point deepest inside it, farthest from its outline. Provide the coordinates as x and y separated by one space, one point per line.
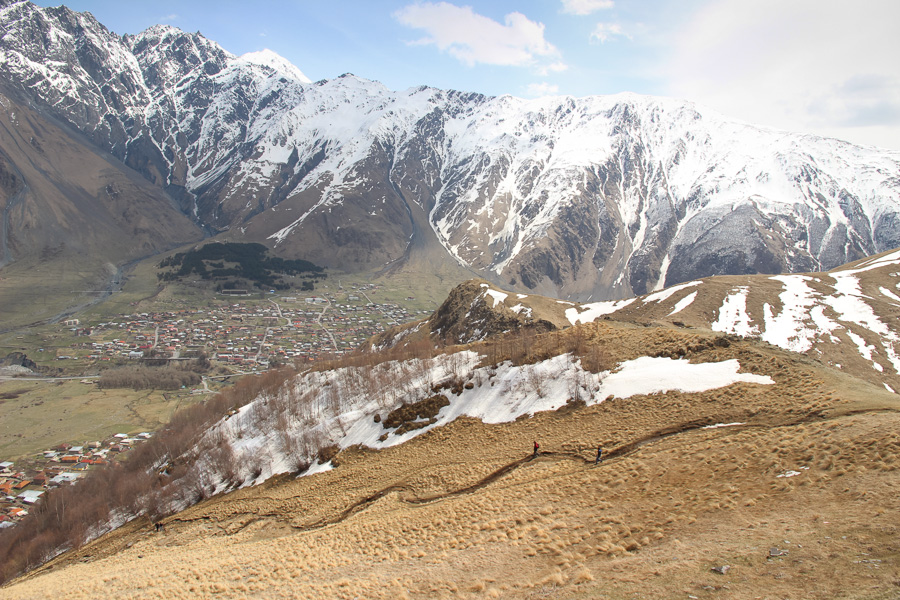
536 446
599 454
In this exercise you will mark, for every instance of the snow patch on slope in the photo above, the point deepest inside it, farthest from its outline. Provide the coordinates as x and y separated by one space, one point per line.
791 328
813 310
733 317
588 313
649 375
683 303
849 302
666 293
274 432
889 294
498 296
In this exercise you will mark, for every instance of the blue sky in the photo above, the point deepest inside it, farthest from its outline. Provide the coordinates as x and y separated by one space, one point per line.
821 66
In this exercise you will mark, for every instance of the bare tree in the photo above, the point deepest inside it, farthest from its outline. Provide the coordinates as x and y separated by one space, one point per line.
534 379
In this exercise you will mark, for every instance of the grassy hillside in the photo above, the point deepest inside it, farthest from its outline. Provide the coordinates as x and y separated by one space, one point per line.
41 414
782 485
797 496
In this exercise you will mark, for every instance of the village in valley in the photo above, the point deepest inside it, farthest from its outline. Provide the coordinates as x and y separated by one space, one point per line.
241 334
236 334
22 484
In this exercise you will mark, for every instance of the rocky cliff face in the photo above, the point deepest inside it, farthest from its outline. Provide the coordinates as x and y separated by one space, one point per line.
591 198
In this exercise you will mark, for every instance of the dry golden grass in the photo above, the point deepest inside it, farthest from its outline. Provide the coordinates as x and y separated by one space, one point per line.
463 512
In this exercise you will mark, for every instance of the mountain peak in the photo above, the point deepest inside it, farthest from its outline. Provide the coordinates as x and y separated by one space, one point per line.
160 31
169 35
272 60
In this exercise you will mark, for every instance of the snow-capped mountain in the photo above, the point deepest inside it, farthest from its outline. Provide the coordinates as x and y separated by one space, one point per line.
590 198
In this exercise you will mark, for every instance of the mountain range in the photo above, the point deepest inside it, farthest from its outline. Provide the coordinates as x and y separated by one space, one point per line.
592 198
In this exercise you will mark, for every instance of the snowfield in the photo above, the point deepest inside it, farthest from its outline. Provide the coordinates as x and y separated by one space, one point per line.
275 434
815 310
588 313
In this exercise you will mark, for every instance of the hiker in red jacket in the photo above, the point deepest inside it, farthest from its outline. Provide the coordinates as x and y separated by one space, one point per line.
536 446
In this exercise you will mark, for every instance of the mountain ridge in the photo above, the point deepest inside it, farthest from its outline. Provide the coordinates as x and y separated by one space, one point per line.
846 317
583 198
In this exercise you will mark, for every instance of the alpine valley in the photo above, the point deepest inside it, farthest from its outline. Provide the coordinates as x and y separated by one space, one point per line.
119 147
664 362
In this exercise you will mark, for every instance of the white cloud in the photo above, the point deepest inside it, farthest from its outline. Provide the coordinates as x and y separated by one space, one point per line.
603 32
810 65
167 18
537 90
585 7
556 67
474 38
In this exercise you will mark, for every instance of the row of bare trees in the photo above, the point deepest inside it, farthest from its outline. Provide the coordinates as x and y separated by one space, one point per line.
158 474
144 378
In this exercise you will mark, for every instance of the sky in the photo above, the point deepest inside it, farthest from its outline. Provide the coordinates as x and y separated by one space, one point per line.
828 67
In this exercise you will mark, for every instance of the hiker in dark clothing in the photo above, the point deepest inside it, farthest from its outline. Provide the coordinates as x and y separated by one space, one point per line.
536 446
599 454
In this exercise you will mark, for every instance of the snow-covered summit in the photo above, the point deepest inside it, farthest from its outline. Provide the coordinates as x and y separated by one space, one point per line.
279 64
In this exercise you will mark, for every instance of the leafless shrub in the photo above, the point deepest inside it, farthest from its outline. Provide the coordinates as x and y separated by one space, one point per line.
534 380
595 359
222 460
292 446
333 398
579 384
256 467
326 453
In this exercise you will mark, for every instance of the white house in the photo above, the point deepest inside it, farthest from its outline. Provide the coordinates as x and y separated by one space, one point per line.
30 496
64 478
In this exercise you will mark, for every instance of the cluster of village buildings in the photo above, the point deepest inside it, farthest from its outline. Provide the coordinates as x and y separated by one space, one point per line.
243 334
22 485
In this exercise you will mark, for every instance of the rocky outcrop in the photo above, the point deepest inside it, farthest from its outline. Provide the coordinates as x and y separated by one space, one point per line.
18 359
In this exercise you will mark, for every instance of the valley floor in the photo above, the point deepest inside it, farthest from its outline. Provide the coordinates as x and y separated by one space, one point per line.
795 495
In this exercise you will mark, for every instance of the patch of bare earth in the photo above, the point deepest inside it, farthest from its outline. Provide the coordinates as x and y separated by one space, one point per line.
799 499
